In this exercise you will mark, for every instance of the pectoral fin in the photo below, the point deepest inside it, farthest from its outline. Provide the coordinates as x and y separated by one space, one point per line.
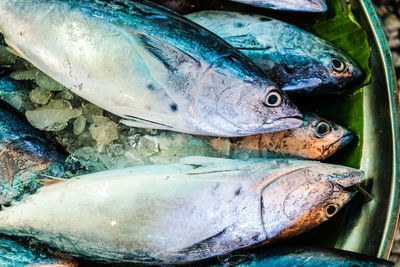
143 123
202 165
170 56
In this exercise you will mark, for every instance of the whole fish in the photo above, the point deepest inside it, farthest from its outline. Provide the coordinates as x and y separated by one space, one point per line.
24 153
288 5
181 212
305 257
14 254
298 61
148 65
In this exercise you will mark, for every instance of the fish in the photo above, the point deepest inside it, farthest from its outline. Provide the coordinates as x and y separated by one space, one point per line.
25 152
148 65
304 256
316 138
181 212
296 60
12 253
318 6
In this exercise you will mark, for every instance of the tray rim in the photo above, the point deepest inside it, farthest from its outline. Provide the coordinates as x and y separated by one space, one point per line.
392 216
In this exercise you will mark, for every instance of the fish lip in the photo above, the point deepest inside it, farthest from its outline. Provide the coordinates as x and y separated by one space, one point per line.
295 117
352 190
346 182
291 123
346 139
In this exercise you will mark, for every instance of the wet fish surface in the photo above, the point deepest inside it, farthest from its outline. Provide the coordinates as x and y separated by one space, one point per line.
14 254
181 212
24 152
288 5
316 138
299 62
305 257
185 6
148 65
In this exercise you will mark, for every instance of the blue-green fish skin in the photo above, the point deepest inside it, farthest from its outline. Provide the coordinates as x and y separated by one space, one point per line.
155 68
25 153
10 86
299 62
185 6
14 254
304 257
288 5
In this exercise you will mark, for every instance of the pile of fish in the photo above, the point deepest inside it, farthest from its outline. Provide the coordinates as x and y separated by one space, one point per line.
183 141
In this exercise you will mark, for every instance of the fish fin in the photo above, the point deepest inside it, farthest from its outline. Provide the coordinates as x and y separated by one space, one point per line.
140 123
204 245
210 165
50 180
170 56
11 49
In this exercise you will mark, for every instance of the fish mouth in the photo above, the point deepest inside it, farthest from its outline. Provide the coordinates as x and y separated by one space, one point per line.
346 139
289 122
350 183
351 190
346 181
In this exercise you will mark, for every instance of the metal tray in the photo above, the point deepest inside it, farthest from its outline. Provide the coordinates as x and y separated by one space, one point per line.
371 227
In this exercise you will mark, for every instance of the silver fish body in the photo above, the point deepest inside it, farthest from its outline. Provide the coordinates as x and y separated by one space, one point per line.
288 5
181 212
298 61
147 65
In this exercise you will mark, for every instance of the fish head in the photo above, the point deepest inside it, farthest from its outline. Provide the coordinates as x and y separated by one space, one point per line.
316 138
305 197
338 71
252 108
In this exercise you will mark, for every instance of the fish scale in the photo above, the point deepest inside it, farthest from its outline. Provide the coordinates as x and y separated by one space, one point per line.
111 53
181 212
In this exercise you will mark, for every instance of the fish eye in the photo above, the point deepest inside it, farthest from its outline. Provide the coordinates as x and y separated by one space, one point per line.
273 99
331 210
337 64
322 129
